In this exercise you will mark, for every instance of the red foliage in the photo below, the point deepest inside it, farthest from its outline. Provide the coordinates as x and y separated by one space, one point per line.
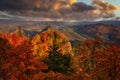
19 63
96 59
14 38
100 60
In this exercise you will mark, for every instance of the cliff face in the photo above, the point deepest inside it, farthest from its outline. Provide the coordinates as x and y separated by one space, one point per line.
49 38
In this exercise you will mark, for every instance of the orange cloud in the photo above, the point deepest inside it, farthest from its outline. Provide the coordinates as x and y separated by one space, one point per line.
66 9
106 9
118 7
96 12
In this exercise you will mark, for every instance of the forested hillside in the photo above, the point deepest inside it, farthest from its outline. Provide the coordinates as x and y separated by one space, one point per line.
50 56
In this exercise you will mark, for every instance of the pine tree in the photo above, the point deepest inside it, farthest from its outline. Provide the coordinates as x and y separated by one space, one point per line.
20 31
60 63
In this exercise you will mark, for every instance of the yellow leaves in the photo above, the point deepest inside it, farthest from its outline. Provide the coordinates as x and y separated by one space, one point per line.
41 42
36 39
23 61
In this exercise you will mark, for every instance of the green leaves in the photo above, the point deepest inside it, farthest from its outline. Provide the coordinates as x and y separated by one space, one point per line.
58 62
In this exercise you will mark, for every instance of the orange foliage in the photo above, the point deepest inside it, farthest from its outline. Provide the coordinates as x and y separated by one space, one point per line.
19 63
42 42
14 38
100 60
96 59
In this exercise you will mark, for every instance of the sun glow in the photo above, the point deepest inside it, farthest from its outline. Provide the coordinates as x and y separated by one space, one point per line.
96 12
72 1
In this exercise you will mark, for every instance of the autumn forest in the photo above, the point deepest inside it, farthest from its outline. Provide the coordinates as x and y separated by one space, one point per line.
59 39
50 56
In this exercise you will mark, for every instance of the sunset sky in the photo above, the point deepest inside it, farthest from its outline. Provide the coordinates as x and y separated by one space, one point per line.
115 2
82 10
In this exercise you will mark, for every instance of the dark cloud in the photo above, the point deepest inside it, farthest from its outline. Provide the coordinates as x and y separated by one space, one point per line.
63 9
80 6
21 5
105 9
13 5
35 5
117 18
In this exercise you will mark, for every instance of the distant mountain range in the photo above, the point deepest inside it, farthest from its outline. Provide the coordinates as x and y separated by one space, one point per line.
75 31
105 32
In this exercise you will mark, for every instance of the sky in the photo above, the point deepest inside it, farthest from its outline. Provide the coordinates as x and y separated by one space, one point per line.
78 10
115 2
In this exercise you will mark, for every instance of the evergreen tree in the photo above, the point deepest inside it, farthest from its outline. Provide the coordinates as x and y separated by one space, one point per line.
60 63
20 31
